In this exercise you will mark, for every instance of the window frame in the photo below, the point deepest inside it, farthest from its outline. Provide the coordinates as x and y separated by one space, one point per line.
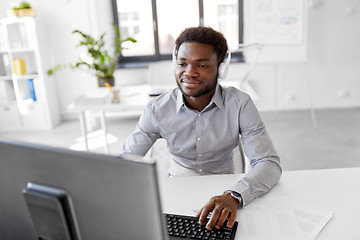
144 60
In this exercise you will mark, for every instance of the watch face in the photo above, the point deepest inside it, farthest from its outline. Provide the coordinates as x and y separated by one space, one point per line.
236 194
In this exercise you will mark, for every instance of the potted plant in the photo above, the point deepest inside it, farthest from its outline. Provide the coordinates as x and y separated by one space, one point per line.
22 9
97 59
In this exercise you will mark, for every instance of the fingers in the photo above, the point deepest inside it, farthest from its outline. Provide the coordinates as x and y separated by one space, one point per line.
222 207
222 218
214 218
231 221
199 213
204 212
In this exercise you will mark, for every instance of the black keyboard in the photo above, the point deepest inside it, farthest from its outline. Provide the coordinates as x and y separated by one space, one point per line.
187 227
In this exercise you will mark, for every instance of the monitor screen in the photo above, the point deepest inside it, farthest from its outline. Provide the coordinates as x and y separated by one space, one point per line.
111 197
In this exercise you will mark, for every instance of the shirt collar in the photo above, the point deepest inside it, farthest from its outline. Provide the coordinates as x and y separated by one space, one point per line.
216 99
179 100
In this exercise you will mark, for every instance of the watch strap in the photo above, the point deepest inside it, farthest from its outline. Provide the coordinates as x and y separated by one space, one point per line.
237 196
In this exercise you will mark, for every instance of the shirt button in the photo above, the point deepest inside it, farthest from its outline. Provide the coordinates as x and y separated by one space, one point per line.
200 170
199 115
199 155
198 139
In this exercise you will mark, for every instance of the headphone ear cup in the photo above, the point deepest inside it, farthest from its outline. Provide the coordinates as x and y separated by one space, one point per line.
174 62
223 70
224 67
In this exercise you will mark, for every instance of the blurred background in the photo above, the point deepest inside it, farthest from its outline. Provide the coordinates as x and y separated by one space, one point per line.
298 60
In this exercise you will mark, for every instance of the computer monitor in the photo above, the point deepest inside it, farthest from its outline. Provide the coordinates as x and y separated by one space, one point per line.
112 197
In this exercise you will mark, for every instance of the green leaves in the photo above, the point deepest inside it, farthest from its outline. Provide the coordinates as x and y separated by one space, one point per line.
23 5
101 61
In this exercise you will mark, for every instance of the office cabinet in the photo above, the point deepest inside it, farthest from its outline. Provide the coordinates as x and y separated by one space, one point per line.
9 118
27 99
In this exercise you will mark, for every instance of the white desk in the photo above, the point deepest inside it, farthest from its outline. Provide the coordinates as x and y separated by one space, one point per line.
132 103
335 190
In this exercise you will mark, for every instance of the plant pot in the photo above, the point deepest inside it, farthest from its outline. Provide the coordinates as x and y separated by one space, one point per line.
102 81
21 12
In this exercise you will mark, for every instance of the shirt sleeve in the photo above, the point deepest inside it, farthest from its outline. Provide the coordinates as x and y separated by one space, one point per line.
264 160
145 135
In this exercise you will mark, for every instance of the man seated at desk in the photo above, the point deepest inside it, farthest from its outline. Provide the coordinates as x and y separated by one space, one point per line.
202 123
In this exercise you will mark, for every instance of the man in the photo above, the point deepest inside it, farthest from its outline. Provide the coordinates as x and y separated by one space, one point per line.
202 123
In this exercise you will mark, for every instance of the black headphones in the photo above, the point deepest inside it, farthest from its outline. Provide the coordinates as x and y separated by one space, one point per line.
222 70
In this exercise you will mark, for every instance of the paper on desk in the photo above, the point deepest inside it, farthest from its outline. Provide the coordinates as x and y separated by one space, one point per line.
269 218
312 220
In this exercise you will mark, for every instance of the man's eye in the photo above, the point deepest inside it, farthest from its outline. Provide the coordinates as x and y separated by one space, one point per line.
181 64
203 66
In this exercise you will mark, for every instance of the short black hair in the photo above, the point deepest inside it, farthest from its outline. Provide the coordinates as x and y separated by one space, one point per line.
205 35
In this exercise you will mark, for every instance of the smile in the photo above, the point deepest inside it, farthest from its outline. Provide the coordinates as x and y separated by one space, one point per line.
190 84
189 81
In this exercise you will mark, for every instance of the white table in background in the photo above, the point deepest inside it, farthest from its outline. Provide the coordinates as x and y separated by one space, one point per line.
132 103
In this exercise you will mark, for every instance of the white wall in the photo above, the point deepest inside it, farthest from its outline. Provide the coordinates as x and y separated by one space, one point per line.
59 18
330 76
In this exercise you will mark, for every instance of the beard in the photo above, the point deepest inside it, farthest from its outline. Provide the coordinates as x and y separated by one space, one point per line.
201 92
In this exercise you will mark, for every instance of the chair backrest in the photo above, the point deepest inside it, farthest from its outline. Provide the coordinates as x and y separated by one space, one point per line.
161 77
161 154
241 163
241 77
251 53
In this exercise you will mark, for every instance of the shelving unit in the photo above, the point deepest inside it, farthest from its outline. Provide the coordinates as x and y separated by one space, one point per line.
27 96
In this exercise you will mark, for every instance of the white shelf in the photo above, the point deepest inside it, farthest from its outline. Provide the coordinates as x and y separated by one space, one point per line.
17 50
26 76
26 101
10 104
21 50
5 78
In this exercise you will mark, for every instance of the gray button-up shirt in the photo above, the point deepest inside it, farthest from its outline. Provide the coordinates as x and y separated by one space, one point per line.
203 142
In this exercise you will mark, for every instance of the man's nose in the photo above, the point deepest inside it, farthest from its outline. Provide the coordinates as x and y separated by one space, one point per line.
191 71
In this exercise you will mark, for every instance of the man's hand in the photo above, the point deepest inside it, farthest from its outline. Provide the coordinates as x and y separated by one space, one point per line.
222 207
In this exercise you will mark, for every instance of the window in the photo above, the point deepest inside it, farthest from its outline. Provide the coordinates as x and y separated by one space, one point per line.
155 24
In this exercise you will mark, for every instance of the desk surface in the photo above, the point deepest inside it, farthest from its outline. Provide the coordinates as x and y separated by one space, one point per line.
336 190
131 98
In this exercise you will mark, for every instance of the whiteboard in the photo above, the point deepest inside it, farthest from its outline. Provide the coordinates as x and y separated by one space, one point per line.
278 24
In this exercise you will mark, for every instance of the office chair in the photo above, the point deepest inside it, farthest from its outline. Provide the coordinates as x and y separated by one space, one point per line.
161 77
241 162
251 54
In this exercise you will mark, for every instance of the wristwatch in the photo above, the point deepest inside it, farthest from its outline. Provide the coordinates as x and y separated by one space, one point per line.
236 195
